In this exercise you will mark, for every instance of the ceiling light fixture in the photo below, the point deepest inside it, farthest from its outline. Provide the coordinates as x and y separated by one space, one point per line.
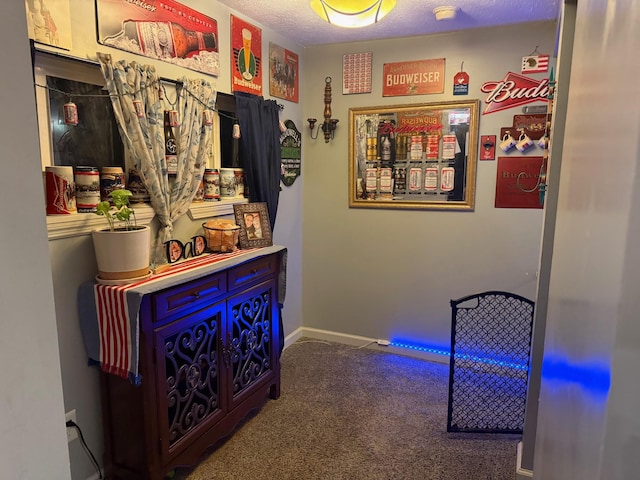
352 13
445 12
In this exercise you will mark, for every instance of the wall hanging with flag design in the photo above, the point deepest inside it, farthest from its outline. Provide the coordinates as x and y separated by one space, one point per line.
535 64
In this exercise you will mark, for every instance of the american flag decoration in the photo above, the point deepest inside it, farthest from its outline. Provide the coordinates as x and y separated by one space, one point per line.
535 63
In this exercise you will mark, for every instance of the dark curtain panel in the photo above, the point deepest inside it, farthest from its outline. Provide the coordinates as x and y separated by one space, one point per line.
260 149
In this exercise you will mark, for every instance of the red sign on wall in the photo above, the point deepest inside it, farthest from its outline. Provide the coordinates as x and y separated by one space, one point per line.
514 90
246 50
418 77
517 182
166 30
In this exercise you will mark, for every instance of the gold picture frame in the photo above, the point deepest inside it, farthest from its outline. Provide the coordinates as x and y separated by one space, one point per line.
420 156
253 219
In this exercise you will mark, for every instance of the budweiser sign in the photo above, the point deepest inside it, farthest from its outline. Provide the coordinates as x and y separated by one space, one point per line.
514 90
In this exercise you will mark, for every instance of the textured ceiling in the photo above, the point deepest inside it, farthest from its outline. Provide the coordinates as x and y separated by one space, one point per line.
295 20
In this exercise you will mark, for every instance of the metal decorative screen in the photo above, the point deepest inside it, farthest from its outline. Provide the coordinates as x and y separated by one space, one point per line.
489 363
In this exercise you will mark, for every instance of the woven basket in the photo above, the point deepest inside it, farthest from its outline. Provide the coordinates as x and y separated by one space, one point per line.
222 239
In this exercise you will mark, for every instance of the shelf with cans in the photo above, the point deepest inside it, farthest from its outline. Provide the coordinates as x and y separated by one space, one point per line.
72 194
420 164
79 188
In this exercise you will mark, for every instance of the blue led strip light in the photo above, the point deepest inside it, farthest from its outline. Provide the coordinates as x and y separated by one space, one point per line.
473 358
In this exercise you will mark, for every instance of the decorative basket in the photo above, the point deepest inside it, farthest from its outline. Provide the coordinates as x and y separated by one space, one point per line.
221 237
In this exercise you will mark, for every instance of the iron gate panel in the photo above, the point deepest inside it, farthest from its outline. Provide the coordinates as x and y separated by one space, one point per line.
489 362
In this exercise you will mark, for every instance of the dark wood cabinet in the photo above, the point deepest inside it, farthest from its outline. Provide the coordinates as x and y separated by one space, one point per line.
209 354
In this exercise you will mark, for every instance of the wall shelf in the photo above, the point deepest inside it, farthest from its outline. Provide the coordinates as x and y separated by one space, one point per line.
65 226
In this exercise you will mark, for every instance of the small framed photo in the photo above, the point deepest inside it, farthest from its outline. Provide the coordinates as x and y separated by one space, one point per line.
253 219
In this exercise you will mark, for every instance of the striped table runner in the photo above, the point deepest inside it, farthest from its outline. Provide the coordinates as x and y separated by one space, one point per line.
109 315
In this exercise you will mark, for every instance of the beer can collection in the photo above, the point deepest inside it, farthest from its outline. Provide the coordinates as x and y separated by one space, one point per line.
135 185
60 191
415 151
70 113
433 147
111 178
87 180
211 185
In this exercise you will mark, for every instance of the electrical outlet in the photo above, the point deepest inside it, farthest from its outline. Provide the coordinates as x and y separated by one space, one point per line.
72 433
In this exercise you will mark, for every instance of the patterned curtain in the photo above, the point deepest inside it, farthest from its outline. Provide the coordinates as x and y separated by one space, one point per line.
143 137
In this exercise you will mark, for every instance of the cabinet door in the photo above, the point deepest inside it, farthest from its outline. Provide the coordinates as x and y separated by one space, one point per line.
250 342
189 394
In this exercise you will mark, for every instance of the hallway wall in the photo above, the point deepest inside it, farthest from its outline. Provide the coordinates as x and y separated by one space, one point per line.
391 273
588 423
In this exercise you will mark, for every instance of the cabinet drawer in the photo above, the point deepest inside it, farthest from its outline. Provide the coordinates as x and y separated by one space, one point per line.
192 294
252 271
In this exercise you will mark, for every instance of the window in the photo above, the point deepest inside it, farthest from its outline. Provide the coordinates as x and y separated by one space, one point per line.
95 141
230 155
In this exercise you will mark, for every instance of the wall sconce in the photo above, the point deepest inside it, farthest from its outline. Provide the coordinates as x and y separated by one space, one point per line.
329 124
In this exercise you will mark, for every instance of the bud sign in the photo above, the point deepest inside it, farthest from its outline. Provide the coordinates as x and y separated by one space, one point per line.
512 91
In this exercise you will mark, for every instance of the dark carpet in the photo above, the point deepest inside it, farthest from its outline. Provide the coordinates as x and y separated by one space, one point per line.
356 413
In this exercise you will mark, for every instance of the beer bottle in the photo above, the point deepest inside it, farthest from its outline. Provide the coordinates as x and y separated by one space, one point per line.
161 39
170 146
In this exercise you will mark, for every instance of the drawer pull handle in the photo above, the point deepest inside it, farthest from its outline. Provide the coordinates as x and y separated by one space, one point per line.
253 272
196 295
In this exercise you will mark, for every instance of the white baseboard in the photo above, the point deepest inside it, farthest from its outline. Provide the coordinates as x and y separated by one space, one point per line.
292 337
359 341
521 473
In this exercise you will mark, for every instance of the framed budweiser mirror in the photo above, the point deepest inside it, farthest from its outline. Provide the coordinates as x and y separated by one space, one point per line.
419 156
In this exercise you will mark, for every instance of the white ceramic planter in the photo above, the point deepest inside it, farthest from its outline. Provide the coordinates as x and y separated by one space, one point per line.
122 254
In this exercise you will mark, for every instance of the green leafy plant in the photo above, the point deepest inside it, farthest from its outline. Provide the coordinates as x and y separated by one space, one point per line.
119 216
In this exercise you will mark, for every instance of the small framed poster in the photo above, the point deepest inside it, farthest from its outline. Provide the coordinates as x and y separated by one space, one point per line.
246 54
255 230
283 73
356 73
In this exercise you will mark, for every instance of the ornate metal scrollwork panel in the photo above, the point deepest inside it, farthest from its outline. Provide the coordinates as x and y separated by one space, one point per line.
250 341
192 376
489 365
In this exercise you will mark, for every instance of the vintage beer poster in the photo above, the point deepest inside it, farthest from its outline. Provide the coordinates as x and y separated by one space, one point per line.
246 53
283 73
419 77
49 22
518 182
167 31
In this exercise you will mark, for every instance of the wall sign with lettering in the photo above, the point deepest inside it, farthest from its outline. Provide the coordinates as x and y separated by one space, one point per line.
461 83
290 149
513 91
418 77
518 182
167 31
246 51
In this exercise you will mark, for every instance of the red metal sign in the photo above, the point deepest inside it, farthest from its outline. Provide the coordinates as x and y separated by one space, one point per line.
246 48
461 83
514 90
165 30
418 77
518 182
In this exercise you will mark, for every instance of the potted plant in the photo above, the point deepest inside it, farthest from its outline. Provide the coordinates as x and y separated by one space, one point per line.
123 249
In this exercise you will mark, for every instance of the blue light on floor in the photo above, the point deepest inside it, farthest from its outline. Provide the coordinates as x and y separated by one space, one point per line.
420 348
463 356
